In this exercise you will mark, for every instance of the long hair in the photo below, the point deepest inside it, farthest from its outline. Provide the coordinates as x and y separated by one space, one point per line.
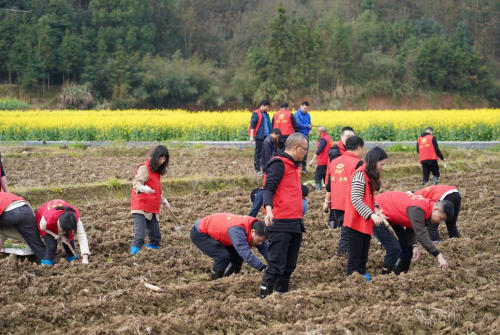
374 156
67 220
159 151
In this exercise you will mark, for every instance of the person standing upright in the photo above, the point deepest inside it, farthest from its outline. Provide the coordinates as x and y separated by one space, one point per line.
305 127
324 144
338 148
260 128
285 121
428 152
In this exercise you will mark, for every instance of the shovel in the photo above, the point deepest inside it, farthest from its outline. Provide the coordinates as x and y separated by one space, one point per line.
176 219
71 248
386 223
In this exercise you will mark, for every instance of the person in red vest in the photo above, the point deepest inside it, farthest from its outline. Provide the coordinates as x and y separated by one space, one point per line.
283 209
17 221
408 215
58 219
338 148
323 146
285 121
338 180
260 128
360 209
428 152
443 192
227 238
146 199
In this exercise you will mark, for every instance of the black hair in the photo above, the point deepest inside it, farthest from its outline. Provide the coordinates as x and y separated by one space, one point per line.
447 208
159 151
284 105
67 220
374 156
265 103
259 227
346 129
276 131
429 128
354 142
305 190
305 103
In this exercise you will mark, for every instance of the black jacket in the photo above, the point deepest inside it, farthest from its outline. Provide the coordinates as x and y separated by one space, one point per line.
268 150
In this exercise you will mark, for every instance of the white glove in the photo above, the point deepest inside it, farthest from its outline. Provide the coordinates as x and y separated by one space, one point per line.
165 203
85 259
146 189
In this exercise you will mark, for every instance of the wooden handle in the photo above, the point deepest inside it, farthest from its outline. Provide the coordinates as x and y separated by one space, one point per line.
71 248
386 224
175 217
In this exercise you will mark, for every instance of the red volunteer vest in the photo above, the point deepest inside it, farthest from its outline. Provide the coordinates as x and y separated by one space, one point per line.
217 225
51 214
426 150
287 201
283 121
352 219
436 192
259 120
341 147
342 169
6 199
323 155
395 205
148 202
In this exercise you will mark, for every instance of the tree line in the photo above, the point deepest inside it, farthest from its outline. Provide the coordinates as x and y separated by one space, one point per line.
164 53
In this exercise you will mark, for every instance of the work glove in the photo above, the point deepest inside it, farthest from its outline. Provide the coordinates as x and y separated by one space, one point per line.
165 203
146 189
85 259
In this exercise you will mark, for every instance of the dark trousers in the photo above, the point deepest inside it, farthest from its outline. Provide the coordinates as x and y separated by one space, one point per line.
221 254
281 141
304 160
338 218
394 249
143 225
427 168
23 219
320 175
51 243
451 224
258 154
359 246
283 253
257 203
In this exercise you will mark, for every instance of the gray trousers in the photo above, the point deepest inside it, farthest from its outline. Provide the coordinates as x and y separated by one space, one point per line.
23 220
143 225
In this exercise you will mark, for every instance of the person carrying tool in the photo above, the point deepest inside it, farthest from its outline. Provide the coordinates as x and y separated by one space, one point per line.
341 169
285 121
58 219
324 144
443 192
283 208
360 209
227 238
146 199
428 152
260 128
17 221
408 215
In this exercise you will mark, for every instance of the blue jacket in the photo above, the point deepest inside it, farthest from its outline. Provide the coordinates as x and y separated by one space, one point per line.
259 133
303 121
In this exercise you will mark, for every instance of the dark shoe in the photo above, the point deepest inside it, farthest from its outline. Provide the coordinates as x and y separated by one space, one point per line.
331 224
318 187
282 285
305 171
386 269
435 180
425 182
341 253
230 269
266 289
216 274
402 266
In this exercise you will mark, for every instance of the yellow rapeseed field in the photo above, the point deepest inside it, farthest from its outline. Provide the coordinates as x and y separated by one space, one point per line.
159 125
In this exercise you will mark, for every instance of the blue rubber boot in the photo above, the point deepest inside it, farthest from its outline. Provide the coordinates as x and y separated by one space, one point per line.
150 246
367 276
72 258
134 250
46 262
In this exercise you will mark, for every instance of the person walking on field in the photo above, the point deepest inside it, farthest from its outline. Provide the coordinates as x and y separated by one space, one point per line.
428 152
324 144
227 238
146 199
58 219
260 128
339 174
408 215
360 209
283 208
443 192
338 148
285 121
304 126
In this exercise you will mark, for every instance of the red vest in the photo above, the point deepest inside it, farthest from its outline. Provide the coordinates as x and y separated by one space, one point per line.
352 219
323 155
287 201
341 170
426 149
259 120
51 214
6 199
283 121
395 205
436 192
341 146
148 202
217 225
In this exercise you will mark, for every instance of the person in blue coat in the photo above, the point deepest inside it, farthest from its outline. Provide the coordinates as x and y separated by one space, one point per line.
305 127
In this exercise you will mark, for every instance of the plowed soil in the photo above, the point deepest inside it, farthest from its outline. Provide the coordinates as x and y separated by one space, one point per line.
106 296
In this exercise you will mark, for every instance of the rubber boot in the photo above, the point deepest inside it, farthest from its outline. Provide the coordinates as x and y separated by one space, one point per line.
216 274
331 224
435 180
282 285
266 289
425 182
150 246
230 269
386 269
134 250
402 266
317 187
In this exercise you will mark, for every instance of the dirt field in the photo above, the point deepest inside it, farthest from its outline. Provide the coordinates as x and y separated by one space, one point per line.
106 297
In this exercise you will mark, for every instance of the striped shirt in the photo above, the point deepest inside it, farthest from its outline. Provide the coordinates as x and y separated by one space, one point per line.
357 193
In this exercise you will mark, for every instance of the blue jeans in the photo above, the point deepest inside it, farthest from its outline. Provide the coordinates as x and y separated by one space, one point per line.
394 249
257 203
